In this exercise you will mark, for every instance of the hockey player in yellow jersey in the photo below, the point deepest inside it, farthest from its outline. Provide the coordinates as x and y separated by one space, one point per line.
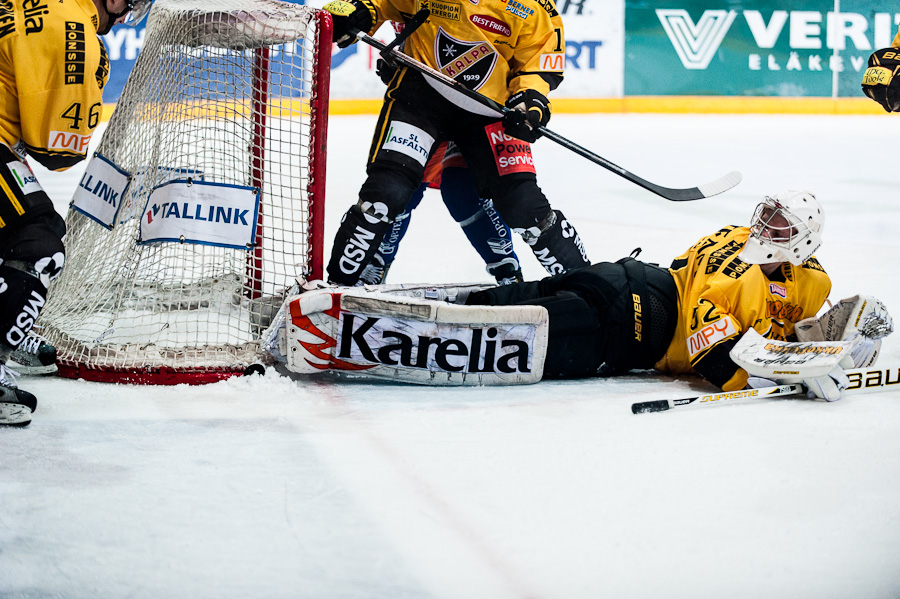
480 44
718 311
53 67
612 317
881 80
733 280
512 51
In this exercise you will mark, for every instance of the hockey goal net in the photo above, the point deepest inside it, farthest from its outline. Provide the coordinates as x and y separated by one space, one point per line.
204 199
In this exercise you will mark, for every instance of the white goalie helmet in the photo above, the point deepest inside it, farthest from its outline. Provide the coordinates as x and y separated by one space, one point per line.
786 227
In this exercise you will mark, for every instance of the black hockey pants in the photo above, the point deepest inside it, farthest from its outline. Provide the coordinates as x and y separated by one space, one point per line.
605 319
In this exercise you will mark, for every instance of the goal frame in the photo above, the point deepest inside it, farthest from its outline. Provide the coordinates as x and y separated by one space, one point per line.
315 188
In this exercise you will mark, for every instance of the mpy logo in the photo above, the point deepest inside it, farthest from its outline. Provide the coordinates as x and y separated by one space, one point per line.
695 43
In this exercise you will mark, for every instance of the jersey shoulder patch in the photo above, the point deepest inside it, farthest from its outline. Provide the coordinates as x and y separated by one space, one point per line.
813 264
720 259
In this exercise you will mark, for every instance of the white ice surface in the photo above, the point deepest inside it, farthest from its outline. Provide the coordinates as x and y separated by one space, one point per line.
272 487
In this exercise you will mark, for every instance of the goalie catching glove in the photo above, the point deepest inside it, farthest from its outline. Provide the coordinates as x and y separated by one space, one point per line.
528 111
862 320
881 81
818 365
349 18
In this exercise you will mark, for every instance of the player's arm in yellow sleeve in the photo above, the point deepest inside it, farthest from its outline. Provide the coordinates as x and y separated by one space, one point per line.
539 59
536 68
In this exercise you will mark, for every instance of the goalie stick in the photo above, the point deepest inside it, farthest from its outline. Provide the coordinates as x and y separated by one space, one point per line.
706 190
862 380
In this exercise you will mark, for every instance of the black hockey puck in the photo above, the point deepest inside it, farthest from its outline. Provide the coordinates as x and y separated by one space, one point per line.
255 369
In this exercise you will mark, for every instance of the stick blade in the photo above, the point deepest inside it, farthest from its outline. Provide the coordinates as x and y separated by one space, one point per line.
691 193
721 184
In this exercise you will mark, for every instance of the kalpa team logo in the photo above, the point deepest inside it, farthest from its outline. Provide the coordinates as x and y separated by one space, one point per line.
470 63
696 43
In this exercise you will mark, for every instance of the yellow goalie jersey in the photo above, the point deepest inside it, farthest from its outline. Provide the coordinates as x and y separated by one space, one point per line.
52 71
497 47
720 297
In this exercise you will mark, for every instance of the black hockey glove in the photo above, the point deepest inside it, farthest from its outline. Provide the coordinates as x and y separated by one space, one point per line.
348 18
881 82
529 110
385 70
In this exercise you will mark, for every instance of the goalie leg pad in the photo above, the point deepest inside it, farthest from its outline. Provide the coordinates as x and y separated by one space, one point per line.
416 341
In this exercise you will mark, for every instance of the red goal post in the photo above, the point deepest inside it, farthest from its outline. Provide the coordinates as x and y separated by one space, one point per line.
223 120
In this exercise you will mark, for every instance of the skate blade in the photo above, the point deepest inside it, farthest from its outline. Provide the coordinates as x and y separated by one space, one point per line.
32 370
14 414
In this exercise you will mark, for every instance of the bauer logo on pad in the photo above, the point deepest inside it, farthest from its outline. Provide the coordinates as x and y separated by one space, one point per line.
201 212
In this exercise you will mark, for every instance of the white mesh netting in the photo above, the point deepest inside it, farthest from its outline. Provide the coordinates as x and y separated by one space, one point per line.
231 92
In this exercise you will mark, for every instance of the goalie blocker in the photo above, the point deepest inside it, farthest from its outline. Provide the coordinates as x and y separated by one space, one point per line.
412 340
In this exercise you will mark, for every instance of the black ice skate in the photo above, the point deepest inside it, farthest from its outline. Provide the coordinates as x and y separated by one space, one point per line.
34 356
506 271
375 272
16 405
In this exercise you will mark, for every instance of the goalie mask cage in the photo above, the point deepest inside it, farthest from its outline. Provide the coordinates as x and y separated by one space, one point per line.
230 92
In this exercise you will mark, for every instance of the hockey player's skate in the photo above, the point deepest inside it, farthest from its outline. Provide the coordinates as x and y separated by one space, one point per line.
16 405
506 271
34 356
375 271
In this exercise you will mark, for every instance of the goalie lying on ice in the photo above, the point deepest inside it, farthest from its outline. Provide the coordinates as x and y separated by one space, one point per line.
608 318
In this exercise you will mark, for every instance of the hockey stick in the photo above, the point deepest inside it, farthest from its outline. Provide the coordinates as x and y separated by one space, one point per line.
862 380
676 195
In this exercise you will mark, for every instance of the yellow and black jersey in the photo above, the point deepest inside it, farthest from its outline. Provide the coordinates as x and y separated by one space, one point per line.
720 297
497 47
53 67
